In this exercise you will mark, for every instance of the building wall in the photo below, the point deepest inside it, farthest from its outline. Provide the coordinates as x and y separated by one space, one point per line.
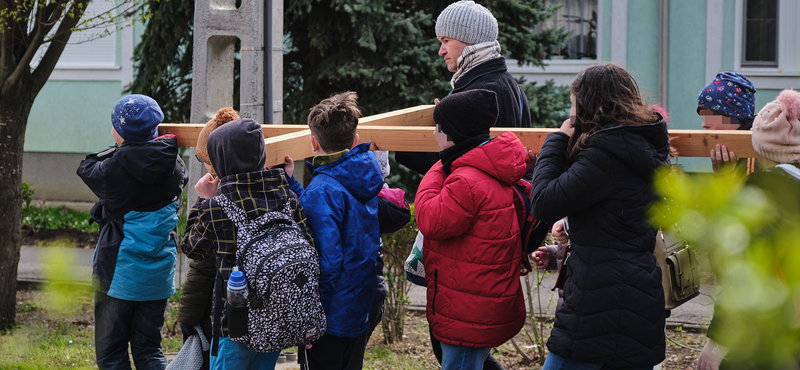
71 116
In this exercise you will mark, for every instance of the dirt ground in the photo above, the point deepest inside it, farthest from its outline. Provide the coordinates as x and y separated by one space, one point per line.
683 346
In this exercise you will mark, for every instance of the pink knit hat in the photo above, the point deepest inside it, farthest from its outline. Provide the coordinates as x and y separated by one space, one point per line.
776 129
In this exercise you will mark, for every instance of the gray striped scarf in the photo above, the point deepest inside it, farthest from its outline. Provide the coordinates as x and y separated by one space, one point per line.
474 55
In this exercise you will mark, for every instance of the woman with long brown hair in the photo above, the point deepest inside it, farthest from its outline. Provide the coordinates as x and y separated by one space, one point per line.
597 171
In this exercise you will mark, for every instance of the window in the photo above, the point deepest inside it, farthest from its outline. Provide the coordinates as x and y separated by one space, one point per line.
579 18
85 48
760 33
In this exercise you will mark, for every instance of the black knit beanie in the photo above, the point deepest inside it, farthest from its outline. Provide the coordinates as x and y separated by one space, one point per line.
237 147
467 114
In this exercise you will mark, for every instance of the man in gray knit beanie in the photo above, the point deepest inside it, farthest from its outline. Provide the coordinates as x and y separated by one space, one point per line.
468 33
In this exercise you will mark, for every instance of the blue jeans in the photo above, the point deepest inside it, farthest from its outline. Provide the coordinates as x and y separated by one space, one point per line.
463 358
119 322
556 362
236 356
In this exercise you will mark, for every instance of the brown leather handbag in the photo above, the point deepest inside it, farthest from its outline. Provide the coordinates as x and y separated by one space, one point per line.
679 276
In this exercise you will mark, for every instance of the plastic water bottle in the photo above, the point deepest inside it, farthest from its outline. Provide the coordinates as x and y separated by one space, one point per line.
237 305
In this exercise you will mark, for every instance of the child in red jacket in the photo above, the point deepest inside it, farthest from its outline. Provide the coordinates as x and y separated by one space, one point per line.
464 209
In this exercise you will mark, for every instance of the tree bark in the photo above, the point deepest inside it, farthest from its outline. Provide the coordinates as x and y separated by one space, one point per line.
14 112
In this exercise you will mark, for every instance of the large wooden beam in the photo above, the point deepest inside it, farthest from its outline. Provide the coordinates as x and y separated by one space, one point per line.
296 145
415 116
688 143
411 130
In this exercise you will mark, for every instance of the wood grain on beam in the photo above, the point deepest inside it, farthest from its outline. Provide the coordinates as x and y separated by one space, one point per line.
296 145
421 115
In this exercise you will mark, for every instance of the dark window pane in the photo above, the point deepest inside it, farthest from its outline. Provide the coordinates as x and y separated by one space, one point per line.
579 18
761 33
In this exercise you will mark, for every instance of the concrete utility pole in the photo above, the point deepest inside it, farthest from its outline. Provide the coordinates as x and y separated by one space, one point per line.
218 24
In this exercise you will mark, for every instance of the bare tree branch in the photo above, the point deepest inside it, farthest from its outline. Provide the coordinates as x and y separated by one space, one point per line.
23 65
56 47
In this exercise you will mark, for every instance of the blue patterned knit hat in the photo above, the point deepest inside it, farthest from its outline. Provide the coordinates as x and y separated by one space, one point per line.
136 118
731 95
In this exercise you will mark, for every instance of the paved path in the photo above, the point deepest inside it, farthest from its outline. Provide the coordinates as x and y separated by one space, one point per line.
694 314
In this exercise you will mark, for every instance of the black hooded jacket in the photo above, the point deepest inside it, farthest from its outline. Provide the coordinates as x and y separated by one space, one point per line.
613 311
141 177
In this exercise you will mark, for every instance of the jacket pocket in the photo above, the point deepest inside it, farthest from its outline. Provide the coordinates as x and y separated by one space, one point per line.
435 290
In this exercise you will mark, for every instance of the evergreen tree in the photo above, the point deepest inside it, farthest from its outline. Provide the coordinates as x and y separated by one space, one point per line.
387 50
163 59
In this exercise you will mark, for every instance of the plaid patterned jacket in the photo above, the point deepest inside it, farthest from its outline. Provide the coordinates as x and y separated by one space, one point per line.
210 232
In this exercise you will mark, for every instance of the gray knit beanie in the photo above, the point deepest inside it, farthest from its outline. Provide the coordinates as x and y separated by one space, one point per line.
467 22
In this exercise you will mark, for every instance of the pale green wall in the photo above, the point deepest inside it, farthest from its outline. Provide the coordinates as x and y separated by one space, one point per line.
642 51
605 27
72 117
687 67
728 25
765 96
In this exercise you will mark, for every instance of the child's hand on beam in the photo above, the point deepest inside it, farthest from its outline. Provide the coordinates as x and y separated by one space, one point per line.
289 167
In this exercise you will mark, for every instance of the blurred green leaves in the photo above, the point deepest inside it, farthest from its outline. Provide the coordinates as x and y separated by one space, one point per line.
751 230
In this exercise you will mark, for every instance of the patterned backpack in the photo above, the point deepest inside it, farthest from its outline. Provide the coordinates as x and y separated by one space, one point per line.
282 272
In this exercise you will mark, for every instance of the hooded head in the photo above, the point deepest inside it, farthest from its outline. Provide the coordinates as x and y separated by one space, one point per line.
467 114
776 129
223 116
237 147
136 118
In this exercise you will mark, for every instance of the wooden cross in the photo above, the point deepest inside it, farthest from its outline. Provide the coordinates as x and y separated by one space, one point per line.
411 130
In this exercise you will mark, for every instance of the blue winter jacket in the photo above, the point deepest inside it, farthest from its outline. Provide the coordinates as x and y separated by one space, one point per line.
342 209
139 186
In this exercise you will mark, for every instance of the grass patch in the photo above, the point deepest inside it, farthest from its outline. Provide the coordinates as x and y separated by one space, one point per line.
55 330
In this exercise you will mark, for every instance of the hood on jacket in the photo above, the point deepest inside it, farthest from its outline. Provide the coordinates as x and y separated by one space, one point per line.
643 148
149 161
358 171
503 158
237 147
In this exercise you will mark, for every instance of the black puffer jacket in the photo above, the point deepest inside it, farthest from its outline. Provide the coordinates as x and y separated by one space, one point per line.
492 75
613 311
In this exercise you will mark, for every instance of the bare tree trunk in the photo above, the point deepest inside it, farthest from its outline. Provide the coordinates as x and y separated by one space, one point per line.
13 120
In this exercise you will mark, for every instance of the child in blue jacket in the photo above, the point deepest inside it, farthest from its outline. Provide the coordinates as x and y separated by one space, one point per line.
139 182
342 209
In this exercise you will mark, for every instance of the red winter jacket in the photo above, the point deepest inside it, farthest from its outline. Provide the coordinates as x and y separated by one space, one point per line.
472 253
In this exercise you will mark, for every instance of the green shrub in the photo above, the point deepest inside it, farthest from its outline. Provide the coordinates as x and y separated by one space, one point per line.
38 216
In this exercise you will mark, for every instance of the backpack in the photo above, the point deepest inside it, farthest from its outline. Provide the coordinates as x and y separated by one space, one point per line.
282 272
532 231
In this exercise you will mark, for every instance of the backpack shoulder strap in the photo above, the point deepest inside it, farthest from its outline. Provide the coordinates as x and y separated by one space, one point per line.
234 213
525 220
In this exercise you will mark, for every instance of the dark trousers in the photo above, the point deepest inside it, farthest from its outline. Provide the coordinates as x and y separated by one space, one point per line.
490 364
375 317
331 353
119 322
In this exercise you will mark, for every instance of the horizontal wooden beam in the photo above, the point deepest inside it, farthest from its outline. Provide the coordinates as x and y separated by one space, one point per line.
296 145
415 116
410 129
688 143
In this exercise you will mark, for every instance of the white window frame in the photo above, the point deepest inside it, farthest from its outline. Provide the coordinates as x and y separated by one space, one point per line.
113 72
563 71
787 73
